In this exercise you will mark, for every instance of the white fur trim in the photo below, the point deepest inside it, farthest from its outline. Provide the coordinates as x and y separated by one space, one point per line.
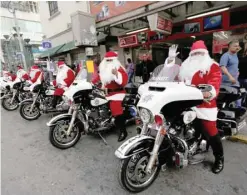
209 114
213 92
119 78
199 50
116 97
61 75
110 58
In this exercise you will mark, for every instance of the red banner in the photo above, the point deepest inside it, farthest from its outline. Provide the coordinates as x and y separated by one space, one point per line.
128 41
107 9
164 24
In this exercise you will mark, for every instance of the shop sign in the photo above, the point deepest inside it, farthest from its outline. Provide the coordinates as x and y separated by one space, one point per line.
128 41
160 23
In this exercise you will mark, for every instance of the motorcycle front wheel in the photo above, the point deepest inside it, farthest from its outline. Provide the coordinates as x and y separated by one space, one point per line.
26 113
132 175
58 136
6 104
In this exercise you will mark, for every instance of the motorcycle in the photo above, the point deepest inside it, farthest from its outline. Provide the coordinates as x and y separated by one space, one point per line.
14 94
231 119
91 114
171 132
41 103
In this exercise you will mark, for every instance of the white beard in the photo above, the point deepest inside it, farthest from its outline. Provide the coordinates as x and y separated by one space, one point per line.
105 70
194 64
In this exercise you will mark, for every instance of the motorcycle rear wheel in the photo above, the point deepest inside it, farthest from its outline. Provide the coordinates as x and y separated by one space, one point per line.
59 130
140 180
8 106
26 114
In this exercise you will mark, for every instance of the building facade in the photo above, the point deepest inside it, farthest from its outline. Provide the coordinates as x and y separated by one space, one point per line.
57 23
27 14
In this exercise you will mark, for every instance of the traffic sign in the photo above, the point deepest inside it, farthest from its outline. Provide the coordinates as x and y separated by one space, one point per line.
46 44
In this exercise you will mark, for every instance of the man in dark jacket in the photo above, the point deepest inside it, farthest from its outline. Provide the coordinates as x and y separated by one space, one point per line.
145 68
243 73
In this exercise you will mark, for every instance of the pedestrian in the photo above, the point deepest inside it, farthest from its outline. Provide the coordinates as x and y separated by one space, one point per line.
130 70
243 72
145 68
200 68
114 78
229 66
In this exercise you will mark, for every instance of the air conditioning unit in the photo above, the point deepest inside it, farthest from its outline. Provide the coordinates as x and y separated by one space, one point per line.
69 25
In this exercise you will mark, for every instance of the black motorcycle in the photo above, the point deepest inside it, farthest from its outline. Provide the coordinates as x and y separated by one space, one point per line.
41 103
91 114
231 119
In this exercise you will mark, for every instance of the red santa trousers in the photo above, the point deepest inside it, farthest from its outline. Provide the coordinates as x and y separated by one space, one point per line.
116 108
210 127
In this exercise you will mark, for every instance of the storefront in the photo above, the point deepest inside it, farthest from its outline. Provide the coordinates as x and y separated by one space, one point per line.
217 30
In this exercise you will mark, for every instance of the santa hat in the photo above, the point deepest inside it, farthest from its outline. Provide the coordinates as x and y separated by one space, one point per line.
111 55
19 67
35 67
198 46
60 63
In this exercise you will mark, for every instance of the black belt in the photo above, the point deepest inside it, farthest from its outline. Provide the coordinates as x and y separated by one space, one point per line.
115 90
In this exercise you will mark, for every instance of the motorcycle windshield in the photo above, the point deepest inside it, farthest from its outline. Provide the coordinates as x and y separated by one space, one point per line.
82 75
166 73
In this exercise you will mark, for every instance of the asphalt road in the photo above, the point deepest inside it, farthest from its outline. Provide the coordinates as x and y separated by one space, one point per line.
31 165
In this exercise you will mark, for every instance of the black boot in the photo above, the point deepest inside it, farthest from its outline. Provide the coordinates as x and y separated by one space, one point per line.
54 101
120 124
217 148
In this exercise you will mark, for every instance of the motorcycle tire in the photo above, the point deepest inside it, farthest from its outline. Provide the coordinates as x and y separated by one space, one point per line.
9 108
124 167
23 109
56 143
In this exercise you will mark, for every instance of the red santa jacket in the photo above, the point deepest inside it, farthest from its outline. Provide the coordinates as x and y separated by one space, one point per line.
115 88
65 77
208 111
35 73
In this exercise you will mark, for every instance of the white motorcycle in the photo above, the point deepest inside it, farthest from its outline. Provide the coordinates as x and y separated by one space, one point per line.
14 93
91 114
170 134
41 102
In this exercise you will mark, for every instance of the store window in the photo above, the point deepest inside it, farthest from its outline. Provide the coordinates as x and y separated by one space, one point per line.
53 7
33 6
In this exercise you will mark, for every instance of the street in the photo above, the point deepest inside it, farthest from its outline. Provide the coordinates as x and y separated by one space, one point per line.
31 165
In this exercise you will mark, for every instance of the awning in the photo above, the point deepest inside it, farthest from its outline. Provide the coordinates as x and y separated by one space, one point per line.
67 47
51 51
59 49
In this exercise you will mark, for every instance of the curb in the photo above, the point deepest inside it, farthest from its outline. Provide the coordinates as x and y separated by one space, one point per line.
239 138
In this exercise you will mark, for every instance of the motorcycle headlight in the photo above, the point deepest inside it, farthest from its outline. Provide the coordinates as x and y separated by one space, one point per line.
146 115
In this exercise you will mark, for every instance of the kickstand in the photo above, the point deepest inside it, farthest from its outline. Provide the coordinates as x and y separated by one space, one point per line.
102 138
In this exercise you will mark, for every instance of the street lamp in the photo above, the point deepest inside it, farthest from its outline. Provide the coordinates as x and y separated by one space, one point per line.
12 9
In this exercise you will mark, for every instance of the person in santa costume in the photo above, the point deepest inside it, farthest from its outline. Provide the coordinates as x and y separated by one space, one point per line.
8 76
65 77
200 68
21 74
35 74
170 69
114 78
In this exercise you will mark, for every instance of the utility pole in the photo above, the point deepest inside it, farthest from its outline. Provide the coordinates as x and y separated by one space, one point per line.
18 34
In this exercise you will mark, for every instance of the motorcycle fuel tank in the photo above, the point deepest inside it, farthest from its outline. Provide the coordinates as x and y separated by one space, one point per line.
155 95
77 85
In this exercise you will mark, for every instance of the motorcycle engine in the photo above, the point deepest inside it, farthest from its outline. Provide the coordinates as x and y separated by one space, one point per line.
98 117
62 106
189 133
